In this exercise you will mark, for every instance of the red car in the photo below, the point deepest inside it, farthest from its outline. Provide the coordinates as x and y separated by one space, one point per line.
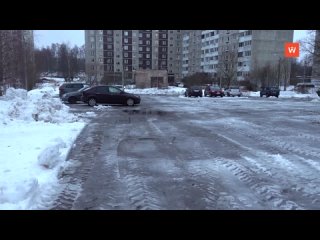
213 91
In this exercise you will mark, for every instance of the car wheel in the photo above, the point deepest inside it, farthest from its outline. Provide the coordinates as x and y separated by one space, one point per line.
92 102
261 95
72 100
130 102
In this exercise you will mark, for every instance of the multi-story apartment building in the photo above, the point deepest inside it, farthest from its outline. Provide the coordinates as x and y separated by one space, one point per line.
111 53
232 53
191 52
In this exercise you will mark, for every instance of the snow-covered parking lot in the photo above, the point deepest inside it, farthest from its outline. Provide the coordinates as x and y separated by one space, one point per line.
38 131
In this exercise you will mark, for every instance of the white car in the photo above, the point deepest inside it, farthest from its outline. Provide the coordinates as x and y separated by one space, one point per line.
232 92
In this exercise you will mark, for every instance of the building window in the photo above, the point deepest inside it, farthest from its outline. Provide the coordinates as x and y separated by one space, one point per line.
241 44
109 46
240 54
91 39
148 35
164 35
126 33
140 41
125 54
125 47
147 55
247 53
125 40
140 49
148 42
148 49
140 35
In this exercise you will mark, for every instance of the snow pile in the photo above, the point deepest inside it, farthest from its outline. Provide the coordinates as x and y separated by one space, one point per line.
37 132
100 108
284 94
51 156
156 91
293 94
35 105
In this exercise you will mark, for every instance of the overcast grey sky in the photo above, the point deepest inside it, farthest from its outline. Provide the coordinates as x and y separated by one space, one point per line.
45 38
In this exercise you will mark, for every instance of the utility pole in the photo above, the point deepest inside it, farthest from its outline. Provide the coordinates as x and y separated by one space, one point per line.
122 75
279 72
304 71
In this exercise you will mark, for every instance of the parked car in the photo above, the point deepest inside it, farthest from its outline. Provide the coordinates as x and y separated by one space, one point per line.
269 91
232 92
70 87
195 91
120 86
73 97
213 91
109 95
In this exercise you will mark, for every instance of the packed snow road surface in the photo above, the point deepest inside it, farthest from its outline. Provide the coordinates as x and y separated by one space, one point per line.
197 153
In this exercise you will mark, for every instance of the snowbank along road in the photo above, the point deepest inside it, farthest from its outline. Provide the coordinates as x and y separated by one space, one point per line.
197 153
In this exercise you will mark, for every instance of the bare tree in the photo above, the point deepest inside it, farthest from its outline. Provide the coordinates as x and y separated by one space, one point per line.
264 76
311 43
64 62
227 68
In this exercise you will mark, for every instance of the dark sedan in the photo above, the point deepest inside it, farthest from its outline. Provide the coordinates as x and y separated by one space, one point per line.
73 97
195 91
108 95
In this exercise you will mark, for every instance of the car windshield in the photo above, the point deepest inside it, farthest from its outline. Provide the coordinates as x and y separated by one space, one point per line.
81 89
195 88
214 88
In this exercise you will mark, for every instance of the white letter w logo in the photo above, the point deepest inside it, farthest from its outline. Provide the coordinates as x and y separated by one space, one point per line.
292 49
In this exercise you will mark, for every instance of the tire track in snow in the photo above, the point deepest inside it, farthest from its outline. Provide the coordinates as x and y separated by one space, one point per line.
271 193
206 175
296 174
88 143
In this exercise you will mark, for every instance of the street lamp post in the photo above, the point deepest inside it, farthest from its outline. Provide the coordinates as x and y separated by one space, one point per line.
304 71
279 72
